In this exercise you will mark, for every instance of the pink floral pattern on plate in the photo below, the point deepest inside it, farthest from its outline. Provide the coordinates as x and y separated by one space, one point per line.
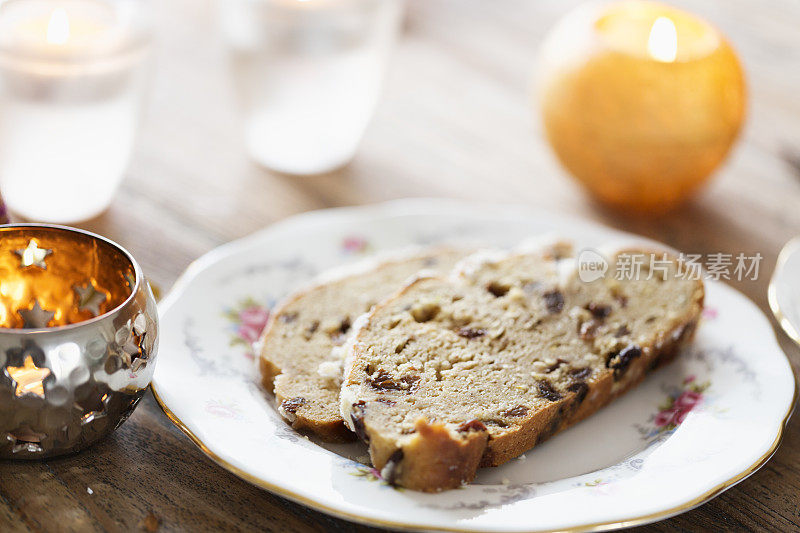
247 320
223 409
355 244
679 403
602 487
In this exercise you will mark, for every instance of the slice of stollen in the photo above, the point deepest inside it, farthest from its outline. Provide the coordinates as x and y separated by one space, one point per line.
454 373
301 356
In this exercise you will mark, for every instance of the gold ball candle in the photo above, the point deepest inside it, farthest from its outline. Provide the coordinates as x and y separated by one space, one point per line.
78 339
640 101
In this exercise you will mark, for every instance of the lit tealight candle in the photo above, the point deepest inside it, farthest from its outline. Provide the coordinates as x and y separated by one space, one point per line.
640 101
58 29
71 82
53 31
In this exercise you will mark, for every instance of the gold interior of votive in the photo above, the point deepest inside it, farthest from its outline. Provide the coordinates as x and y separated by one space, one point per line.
72 275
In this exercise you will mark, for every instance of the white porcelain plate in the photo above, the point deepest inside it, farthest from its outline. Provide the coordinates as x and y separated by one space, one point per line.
687 433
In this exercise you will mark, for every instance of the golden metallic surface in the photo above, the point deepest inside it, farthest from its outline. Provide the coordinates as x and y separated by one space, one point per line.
69 274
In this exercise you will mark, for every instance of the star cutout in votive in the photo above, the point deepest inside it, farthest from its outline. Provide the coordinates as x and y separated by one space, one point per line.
29 378
33 255
36 317
89 298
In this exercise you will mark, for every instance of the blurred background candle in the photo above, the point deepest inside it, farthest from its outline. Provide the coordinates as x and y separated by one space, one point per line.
72 75
640 101
308 74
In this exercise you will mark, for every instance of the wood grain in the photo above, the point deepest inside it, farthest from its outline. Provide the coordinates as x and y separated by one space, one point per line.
455 121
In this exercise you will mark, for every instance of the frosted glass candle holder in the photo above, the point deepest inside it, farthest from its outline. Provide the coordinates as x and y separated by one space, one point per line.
308 76
72 77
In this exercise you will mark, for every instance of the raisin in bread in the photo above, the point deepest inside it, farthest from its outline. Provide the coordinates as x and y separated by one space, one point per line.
450 374
301 357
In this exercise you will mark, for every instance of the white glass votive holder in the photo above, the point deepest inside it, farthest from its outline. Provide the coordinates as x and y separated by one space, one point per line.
308 75
72 79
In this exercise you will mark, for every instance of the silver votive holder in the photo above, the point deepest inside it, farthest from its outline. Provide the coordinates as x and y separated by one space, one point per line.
78 339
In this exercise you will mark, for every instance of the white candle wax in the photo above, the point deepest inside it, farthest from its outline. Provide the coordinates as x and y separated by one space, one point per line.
71 81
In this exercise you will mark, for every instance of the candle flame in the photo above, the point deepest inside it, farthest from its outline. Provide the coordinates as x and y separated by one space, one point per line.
662 45
58 27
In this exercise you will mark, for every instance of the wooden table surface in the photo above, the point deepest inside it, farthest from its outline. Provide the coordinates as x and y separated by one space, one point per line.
455 121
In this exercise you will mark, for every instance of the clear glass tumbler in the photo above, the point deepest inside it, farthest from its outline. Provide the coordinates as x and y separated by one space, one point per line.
308 74
72 78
